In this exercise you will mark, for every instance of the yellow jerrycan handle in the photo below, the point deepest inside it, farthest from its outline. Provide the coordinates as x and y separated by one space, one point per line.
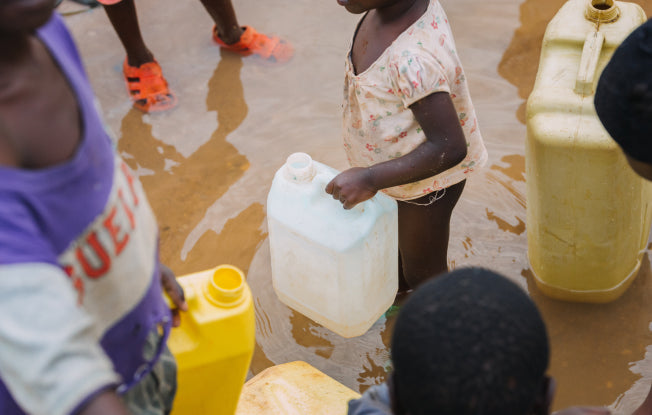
589 63
597 11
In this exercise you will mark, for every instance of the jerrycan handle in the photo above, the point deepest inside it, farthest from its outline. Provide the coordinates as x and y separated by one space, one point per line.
589 63
299 168
321 180
188 293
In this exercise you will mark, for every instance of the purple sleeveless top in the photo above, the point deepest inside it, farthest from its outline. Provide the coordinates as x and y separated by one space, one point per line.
89 217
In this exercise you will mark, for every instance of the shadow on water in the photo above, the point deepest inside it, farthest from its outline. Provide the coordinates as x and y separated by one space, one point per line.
515 167
181 189
510 178
304 334
521 59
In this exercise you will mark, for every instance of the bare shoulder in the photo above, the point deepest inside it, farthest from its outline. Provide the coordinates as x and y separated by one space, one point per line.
40 122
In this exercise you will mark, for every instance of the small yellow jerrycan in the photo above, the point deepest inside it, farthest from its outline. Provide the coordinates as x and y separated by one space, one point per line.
294 388
214 344
588 213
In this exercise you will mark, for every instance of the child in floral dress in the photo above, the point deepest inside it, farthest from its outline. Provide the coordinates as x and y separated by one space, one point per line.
410 129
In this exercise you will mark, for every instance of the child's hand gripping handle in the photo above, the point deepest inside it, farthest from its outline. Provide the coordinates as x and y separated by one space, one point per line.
173 294
352 187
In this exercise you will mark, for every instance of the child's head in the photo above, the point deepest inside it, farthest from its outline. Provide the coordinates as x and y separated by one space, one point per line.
20 16
469 342
623 98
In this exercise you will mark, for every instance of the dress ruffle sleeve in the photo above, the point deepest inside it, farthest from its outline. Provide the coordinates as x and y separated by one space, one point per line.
417 76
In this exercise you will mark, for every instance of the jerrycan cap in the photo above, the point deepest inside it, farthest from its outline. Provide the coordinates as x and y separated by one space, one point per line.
225 288
602 11
299 168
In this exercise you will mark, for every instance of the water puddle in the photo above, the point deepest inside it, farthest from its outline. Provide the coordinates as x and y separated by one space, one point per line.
598 351
208 164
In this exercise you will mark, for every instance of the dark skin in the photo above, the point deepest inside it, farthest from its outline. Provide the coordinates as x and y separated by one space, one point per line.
40 124
423 230
124 19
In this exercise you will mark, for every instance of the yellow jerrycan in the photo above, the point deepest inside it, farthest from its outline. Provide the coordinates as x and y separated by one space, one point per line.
214 344
294 388
588 213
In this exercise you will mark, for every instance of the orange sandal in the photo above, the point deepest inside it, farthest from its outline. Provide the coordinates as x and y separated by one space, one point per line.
148 88
251 42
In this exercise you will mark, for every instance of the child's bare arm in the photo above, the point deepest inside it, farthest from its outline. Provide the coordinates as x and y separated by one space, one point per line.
445 147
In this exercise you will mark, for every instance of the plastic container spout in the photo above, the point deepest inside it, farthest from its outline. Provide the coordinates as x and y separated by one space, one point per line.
225 288
602 11
299 168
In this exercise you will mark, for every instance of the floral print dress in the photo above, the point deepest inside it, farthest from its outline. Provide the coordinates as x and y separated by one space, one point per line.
378 124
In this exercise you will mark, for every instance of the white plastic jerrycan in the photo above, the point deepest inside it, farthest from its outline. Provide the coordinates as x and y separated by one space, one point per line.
588 213
338 267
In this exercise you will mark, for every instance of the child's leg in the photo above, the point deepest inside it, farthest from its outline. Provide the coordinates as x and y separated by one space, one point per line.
244 40
226 23
423 236
154 394
124 19
148 88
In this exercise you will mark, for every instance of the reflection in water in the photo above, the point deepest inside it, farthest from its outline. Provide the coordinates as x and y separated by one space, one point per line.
594 344
181 189
510 186
236 244
515 172
260 361
210 204
286 335
629 401
515 169
506 226
305 334
372 374
520 61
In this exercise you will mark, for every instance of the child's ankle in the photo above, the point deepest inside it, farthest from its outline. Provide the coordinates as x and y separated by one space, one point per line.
140 59
231 36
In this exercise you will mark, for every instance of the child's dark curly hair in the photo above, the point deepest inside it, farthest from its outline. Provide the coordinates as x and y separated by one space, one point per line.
470 342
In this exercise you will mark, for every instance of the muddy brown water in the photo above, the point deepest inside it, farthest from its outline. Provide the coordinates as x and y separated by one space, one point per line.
207 166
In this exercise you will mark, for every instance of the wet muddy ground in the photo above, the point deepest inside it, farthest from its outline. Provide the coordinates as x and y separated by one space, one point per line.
208 164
